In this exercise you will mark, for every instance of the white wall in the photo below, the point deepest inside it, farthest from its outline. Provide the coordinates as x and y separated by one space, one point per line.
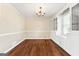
69 43
12 27
72 43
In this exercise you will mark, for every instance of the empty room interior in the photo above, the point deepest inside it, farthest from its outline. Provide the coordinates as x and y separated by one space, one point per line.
39 29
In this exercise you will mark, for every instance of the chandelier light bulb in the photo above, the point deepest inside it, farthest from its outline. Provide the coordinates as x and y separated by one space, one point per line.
40 11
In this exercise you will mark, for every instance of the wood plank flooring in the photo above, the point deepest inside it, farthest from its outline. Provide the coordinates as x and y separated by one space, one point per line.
39 47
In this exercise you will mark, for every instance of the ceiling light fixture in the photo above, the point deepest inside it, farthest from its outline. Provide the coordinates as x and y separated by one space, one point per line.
40 12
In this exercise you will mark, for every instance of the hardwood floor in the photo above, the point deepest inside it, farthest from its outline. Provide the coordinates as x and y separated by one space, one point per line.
40 47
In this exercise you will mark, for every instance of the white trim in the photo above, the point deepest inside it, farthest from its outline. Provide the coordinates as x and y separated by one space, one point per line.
5 34
39 38
38 31
13 46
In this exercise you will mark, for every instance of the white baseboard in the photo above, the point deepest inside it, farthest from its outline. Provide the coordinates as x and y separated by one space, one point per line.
14 39
13 47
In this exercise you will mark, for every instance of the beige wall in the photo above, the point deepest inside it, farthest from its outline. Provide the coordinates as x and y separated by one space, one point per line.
11 27
38 24
14 27
38 27
10 19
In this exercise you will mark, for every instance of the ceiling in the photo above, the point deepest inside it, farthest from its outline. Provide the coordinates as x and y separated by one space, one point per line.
29 9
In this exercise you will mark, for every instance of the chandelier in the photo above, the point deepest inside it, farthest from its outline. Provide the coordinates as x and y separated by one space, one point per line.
40 11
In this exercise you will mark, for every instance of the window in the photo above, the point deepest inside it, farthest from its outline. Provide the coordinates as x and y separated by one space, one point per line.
59 25
75 18
55 24
66 21
63 23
